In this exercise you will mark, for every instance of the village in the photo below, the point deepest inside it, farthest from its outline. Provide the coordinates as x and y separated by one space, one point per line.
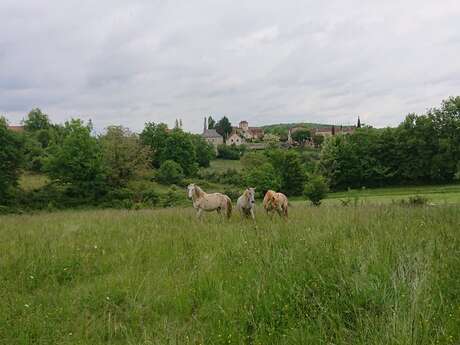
257 138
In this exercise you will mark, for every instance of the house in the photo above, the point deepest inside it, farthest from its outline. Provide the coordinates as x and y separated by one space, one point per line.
333 130
235 139
211 136
248 133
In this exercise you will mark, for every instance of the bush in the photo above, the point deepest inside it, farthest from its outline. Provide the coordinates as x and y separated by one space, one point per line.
416 200
232 152
231 176
170 172
316 189
172 197
233 194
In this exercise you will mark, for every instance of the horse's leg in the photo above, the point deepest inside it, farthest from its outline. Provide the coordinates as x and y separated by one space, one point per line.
198 213
252 214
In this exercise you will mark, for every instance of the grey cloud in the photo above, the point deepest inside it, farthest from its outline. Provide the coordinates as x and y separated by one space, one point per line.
127 63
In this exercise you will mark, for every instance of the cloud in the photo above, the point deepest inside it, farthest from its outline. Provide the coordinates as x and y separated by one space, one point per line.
127 63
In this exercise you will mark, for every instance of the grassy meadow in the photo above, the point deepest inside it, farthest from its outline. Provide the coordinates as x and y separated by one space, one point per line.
330 275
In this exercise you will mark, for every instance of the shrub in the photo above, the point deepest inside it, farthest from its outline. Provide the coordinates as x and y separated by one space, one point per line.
172 197
416 200
170 172
230 151
231 176
233 194
316 189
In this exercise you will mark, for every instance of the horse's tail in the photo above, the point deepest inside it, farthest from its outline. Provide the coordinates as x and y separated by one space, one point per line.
229 207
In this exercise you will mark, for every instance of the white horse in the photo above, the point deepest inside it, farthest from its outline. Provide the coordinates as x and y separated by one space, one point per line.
209 202
246 203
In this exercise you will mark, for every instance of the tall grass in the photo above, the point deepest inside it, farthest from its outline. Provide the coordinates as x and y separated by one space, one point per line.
331 275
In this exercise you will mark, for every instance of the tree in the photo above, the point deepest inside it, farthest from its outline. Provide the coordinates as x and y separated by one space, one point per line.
224 127
289 167
204 151
155 136
301 136
316 189
170 172
36 120
262 178
10 160
318 140
359 123
211 122
78 161
123 155
180 149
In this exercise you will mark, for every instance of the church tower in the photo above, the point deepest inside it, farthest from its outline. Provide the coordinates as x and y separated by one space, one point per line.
205 126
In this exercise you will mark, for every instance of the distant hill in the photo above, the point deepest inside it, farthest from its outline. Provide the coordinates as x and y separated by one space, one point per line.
283 128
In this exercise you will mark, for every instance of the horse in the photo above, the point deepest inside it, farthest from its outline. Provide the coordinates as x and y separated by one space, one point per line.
246 203
209 202
266 203
278 202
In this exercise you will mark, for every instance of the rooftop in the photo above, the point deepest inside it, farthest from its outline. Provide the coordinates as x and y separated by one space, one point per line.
211 133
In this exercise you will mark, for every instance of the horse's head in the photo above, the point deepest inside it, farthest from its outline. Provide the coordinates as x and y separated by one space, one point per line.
190 190
251 194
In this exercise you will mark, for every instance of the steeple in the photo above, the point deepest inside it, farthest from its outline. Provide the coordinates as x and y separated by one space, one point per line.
205 126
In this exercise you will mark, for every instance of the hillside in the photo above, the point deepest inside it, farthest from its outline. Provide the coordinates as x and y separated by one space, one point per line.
282 128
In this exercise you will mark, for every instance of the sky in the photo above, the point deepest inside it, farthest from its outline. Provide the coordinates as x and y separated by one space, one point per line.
264 61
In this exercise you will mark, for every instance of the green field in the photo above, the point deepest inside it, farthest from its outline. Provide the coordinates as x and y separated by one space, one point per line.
221 165
441 194
330 275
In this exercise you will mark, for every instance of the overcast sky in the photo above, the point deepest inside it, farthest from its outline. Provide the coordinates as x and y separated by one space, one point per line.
265 61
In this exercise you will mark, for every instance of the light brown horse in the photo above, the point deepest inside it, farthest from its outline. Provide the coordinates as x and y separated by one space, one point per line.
278 202
209 202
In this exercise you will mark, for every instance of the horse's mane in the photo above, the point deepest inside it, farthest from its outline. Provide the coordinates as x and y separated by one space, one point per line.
199 191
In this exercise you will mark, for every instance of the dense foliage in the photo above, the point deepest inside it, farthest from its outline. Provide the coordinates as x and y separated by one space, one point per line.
316 189
170 172
189 150
78 161
10 160
230 151
423 149
124 157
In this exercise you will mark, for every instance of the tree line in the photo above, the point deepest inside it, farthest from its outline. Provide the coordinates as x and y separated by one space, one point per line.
422 149
83 165
90 168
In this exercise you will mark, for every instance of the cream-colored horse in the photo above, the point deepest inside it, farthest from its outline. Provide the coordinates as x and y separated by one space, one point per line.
246 203
209 202
278 202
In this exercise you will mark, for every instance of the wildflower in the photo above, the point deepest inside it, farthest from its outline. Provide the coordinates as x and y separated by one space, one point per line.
26 305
